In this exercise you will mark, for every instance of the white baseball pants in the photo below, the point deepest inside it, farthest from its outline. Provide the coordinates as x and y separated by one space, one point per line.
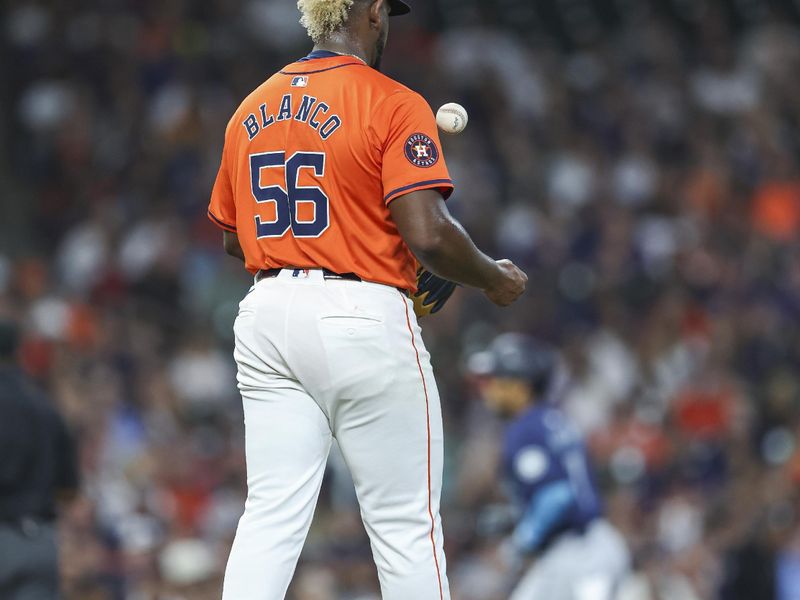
578 567
321 359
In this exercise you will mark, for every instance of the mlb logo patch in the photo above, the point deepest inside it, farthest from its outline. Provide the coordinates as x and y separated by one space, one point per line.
300 81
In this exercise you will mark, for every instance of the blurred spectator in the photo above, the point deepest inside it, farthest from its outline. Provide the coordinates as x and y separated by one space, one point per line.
38 472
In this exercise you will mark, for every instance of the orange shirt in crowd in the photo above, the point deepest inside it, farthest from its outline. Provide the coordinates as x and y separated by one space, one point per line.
776 210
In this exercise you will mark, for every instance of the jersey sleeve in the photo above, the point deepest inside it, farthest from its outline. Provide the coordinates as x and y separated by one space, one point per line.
222 208
544 514
412 152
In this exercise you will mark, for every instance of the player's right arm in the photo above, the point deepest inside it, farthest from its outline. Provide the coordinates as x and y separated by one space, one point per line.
222 208
416 183
443 247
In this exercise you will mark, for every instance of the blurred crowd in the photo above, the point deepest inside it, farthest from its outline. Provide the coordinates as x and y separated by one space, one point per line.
641 161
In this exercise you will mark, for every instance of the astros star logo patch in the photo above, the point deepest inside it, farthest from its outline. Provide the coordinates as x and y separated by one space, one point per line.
421 151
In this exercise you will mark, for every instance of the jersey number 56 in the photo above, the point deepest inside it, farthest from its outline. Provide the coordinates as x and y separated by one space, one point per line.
288 197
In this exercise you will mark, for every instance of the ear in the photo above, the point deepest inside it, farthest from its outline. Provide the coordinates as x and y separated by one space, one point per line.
378 11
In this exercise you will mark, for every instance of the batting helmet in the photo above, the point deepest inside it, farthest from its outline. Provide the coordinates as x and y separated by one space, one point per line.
519 356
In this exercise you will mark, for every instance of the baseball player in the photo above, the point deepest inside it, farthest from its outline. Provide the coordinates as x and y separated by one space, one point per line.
578 554
331 189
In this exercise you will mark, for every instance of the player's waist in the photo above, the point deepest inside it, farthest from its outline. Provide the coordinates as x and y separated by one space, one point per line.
326 274
295 273
573 529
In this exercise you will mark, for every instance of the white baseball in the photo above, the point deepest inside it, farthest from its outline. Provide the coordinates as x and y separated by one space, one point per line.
452 118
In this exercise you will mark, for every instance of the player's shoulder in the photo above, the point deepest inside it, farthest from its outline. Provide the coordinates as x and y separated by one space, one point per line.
537 417
525 429
386 90
383 82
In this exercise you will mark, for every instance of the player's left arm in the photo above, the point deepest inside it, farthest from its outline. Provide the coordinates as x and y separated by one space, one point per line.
545 513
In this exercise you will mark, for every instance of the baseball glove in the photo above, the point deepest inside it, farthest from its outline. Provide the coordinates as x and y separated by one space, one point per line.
432 293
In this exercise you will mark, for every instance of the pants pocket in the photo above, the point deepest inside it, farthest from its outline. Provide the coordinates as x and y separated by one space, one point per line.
348 321
358 353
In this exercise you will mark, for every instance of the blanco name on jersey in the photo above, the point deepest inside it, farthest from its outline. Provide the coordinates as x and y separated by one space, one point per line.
311 111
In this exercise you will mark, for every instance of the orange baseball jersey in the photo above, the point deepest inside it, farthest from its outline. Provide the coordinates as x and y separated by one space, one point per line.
312 160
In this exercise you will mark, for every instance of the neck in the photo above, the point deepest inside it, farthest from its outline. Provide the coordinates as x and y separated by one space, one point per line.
523 405
342 44
520 409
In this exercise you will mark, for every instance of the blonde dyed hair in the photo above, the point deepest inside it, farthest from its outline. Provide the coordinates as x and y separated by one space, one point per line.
323 17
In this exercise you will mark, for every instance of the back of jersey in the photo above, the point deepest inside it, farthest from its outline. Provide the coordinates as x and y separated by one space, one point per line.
312 160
